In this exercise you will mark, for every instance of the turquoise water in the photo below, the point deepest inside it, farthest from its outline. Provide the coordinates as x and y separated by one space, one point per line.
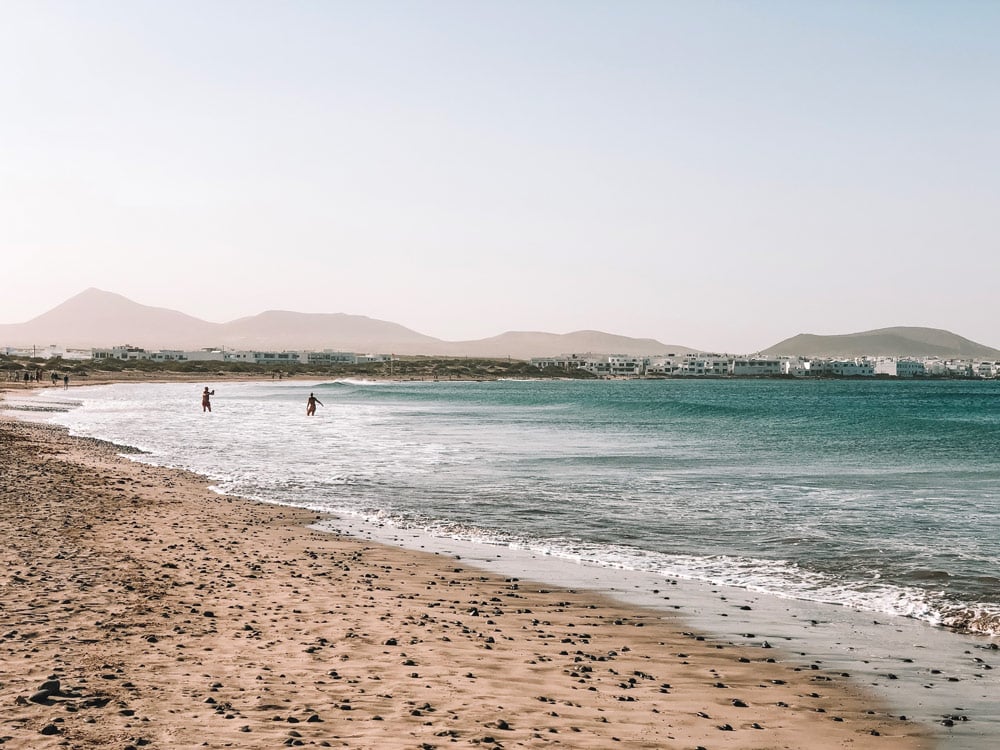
879 495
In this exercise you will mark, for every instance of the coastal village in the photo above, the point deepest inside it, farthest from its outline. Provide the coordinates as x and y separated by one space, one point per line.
608 366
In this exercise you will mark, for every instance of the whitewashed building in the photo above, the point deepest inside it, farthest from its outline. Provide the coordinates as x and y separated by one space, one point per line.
987 369
795 366
899 367
265 358
751 366
844 368
329 357
126 352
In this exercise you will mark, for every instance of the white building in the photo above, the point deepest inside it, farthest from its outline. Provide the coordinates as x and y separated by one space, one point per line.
620 365
666 365
710 365
899 367
265 358
330 357
852 368
987 369
795 367
755 366
126 352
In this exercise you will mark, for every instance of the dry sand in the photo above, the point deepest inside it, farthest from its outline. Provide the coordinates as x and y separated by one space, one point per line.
172 617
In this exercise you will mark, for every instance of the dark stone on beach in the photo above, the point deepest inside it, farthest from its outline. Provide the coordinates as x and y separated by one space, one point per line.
52 686
49 729
738 703
42 696
391 642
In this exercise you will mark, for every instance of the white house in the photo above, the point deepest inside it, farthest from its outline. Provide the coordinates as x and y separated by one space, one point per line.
329 357
749 366
856 368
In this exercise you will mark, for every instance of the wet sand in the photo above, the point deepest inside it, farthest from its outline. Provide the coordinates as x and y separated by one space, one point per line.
140 609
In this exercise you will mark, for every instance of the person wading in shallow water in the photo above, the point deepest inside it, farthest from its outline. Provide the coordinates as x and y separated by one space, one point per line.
206 404
311 405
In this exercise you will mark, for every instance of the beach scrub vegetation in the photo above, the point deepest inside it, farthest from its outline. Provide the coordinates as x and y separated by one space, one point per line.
411 367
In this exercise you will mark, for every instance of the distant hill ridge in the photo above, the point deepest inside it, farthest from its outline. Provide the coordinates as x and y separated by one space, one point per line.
903 341
96 318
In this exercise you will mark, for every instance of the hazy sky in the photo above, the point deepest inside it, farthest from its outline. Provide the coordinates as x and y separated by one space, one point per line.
719 175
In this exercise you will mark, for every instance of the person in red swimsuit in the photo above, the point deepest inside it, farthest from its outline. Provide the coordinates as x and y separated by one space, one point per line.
206 404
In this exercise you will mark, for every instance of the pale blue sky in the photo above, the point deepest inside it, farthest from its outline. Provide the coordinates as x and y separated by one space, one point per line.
719 175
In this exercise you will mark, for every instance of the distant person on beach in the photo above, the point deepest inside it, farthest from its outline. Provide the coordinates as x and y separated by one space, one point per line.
311 405
65 382
206 404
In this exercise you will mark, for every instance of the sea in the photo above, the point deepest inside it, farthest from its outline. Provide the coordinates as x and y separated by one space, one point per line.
875 497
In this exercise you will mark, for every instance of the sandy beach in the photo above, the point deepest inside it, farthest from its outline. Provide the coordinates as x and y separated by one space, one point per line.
140 609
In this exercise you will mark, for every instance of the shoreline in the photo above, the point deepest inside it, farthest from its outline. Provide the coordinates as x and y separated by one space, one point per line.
199 618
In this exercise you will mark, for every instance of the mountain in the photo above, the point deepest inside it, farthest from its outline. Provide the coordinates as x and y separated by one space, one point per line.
292 330
98 318
528 344
902 341
95 318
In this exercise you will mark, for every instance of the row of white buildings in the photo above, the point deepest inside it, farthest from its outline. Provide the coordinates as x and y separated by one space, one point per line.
256 357
608 366
723 365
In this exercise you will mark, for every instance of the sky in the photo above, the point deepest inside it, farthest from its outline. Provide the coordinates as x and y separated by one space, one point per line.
718 175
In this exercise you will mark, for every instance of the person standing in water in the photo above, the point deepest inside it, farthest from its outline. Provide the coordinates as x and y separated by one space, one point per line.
311 405
206 404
